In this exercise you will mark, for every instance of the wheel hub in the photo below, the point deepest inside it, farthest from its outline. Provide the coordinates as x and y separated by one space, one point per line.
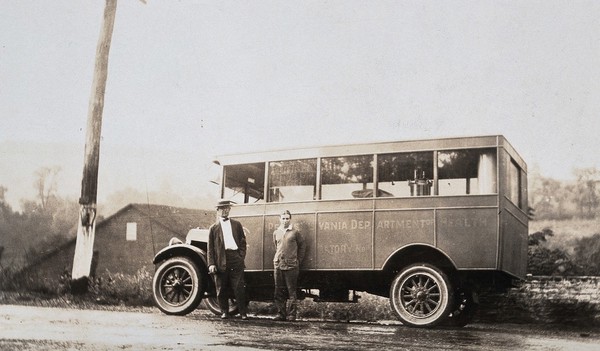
421 295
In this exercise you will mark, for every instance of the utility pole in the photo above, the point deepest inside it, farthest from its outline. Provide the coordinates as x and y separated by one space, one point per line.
86 226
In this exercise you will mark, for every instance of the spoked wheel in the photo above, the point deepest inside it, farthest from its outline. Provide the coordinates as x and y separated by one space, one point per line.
421 295
177 286
212 303
466 307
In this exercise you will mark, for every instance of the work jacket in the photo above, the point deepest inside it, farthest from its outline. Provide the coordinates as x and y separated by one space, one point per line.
216 244
289 248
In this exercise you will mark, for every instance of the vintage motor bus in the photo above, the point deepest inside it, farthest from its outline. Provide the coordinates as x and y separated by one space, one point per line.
426 223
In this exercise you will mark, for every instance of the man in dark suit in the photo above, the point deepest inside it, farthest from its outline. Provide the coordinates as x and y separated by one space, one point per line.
226 254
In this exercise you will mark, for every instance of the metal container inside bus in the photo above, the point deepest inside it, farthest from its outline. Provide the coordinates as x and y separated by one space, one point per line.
427 223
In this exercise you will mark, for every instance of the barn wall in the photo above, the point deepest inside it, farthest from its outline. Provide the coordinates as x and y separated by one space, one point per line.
117 254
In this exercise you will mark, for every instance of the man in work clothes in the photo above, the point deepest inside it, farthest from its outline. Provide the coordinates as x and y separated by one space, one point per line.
226 254
289 253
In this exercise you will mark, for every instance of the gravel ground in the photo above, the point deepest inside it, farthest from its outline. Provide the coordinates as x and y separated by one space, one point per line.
67 301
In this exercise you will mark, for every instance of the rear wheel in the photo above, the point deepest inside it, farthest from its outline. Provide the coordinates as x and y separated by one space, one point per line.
466 307
421 295
177 286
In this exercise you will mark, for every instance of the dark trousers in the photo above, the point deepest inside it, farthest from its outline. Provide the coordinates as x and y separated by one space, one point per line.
232 280
286 280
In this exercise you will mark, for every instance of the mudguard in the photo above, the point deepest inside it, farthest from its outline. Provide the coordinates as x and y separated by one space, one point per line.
181 249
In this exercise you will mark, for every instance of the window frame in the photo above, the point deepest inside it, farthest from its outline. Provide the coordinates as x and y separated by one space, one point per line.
269 174
369 158
374 160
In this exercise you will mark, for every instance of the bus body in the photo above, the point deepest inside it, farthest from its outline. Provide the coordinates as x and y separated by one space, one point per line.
427 223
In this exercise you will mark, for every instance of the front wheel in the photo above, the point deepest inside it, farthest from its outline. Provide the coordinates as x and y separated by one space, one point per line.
177 286
421 295
212 303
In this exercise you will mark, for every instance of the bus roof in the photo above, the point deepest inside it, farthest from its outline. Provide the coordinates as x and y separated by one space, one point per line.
374 148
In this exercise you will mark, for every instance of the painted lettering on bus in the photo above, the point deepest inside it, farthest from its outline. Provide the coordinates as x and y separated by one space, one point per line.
345 225
408 223
337 249
464 222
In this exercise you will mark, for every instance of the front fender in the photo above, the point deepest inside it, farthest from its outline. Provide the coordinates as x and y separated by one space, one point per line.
196 254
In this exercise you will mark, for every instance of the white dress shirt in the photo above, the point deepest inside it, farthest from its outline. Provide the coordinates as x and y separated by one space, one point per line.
228 235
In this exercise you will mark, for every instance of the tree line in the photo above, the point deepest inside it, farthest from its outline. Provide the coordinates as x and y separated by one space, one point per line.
43 224
553 199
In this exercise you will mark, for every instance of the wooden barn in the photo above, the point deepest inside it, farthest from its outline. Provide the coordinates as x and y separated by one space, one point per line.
127 240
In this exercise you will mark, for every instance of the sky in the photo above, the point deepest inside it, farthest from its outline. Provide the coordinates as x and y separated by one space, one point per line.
191 80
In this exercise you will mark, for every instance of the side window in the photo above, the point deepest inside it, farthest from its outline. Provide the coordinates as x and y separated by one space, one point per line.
463 172
524 195
346 177
244 183
294 180
405 174
514 183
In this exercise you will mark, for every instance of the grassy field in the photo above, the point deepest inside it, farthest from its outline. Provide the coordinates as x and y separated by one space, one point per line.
566 232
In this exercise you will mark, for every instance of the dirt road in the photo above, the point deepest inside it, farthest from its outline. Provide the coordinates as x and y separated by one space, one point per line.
39 328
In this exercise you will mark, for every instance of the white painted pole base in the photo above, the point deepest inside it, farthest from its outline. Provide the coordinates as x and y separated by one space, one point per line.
84 250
